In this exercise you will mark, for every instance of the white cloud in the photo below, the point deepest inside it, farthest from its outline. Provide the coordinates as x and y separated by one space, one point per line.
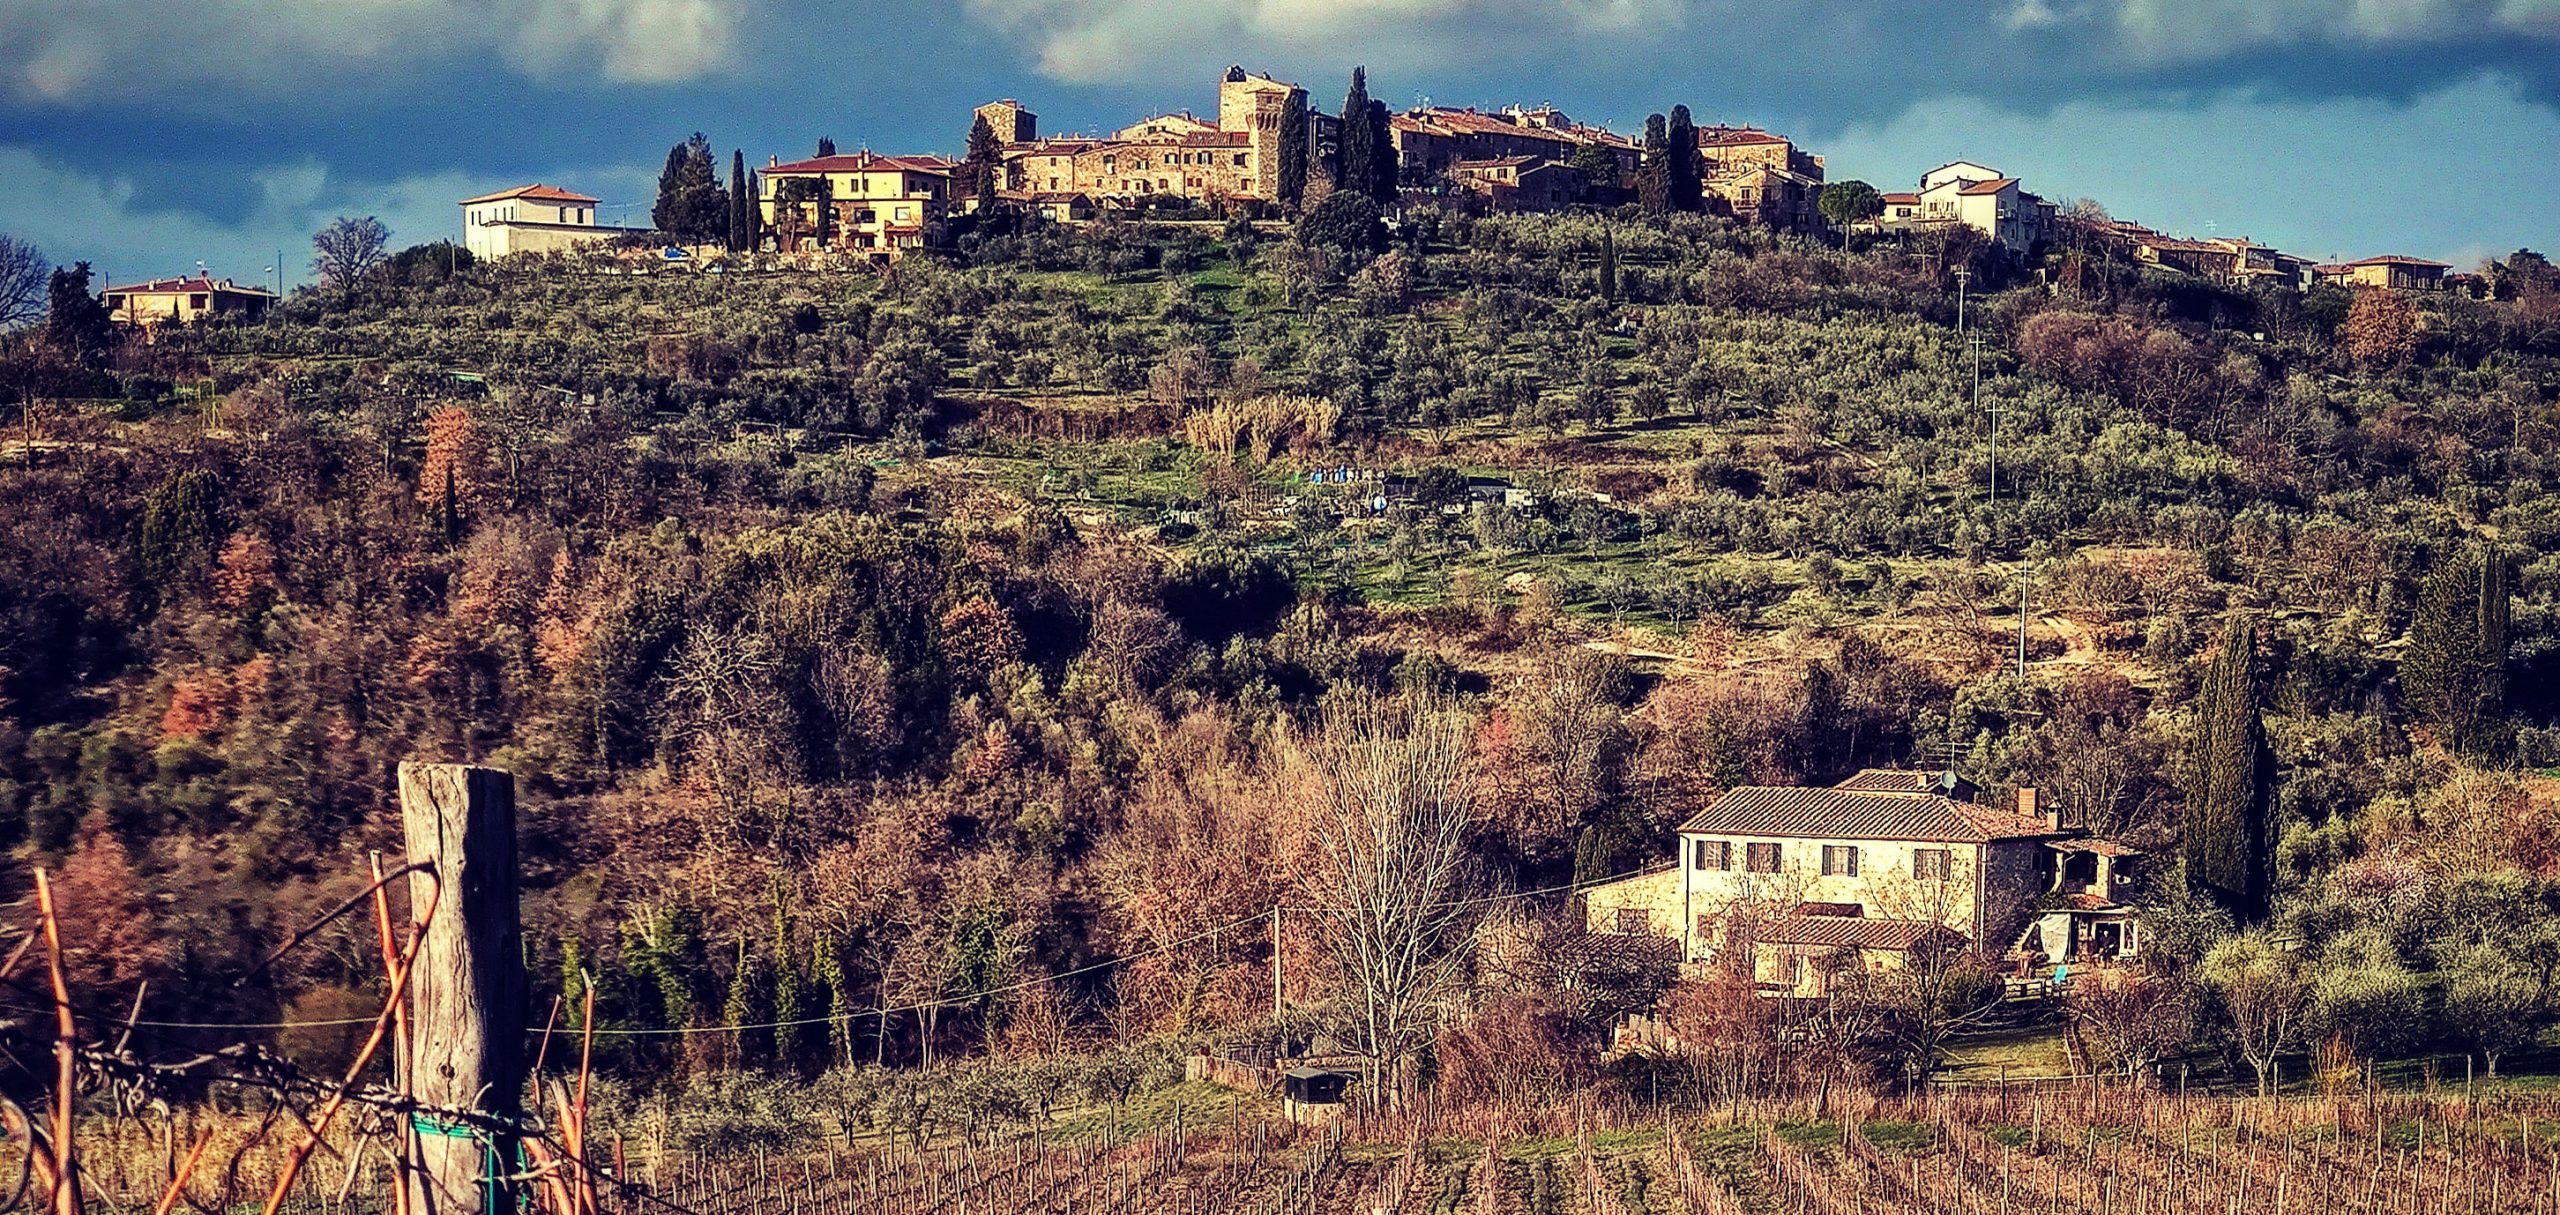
2209 29
67 51
1093 41
2318 177
112 223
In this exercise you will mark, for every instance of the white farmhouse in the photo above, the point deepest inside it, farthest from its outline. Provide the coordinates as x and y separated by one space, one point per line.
531 219
1810 882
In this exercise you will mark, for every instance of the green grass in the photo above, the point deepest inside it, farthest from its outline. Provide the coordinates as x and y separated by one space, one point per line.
2018 1054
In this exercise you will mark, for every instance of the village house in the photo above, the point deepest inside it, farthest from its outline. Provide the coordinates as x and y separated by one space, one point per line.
1808 883
2390 271
875 207
1182 155
1431 141
185 300
1977 196
1761 178
532 219
1519 183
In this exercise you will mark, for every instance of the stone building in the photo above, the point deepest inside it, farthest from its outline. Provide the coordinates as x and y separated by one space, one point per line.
1010 122
1236 156
1808 882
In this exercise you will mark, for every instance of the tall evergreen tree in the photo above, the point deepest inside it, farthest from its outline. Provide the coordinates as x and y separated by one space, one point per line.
2454 675
1384 171
690 204
982 169
1352 168
826 145
1294 141
76 323
742 205
1653 173
2226 835
1684 167
1608 266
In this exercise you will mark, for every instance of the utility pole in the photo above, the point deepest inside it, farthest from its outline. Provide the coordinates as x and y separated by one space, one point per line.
2022 617
1964 275
467 992
1975 341
1278 992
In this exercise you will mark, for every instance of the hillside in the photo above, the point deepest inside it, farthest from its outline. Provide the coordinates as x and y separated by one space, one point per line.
866 640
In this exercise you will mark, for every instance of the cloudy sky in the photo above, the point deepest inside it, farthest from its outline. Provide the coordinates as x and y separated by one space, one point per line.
147 136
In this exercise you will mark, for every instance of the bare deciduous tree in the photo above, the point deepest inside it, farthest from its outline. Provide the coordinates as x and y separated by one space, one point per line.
1395 797
343 253
24 273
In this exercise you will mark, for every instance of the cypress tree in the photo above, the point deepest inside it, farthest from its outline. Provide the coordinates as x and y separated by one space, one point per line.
1352 169
1608 266
1292 185
2454 676
826 145
1683 166
690 205
742 205
984 164
1384 172
2226 835
1653 175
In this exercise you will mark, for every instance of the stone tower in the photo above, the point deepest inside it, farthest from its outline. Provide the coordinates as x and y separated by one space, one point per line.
1012 123
1251 103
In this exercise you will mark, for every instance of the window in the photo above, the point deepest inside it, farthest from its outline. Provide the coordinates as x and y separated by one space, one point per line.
1762 858
1839 860
1711 854
1632 921
1931 863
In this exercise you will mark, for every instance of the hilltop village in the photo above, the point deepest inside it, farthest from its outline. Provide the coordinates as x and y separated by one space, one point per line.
1267 152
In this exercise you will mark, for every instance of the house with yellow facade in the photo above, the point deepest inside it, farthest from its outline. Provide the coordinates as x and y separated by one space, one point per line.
872 206
1800 885
186 300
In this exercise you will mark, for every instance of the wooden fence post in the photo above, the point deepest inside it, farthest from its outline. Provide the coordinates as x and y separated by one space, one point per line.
466 999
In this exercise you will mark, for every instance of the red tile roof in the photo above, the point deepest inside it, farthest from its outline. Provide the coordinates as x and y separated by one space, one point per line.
864 162
201 282
1848 814
537 192
1499 162
1891 780
1215 139
1471 122
1905 200
1993 186
1846 932
2394 259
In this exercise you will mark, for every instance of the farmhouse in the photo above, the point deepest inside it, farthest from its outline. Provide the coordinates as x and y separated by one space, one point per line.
185 300
1809 883
1977 196
532 219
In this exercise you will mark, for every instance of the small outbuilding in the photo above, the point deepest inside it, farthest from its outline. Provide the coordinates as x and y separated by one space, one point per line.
1312 1095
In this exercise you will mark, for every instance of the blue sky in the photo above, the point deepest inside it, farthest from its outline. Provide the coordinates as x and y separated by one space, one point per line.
146 137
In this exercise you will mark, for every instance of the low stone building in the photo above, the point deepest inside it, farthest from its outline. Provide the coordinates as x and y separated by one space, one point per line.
1234 157
1520 183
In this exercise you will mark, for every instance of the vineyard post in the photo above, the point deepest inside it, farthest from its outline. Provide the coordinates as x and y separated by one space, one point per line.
468 993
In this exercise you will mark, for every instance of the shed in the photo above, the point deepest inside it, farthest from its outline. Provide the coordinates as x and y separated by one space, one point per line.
1314 1094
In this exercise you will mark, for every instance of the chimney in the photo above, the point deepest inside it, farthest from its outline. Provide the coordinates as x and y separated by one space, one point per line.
2027 809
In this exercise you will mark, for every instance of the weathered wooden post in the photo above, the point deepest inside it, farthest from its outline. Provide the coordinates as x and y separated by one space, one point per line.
466 999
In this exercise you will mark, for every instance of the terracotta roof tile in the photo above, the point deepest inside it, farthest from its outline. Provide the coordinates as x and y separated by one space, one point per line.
538 192
1993 186
200 282
2394 259
863 162
1847 814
